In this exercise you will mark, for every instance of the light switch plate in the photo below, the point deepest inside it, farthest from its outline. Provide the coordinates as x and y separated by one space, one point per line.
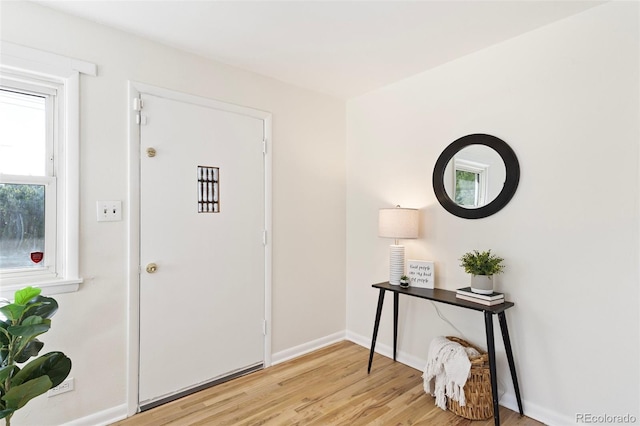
109 211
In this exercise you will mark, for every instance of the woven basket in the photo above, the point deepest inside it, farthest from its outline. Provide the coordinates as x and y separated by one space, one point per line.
477 390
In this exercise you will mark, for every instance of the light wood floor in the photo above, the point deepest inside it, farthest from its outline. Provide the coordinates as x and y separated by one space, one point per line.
327 387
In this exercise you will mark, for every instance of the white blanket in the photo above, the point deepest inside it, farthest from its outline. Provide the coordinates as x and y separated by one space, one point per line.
447 370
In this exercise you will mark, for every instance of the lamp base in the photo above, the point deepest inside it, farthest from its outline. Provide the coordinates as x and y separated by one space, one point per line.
396 263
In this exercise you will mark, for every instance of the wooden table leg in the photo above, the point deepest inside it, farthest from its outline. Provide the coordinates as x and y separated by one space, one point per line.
375 328
491 348
396 296
512 367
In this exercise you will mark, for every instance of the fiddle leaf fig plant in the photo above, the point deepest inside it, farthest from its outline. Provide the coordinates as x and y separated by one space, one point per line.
21 322
481 263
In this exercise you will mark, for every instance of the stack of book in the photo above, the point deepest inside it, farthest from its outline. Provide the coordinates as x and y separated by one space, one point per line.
484 299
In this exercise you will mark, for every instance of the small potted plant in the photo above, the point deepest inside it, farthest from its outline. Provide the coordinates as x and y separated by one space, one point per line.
482 266
404 281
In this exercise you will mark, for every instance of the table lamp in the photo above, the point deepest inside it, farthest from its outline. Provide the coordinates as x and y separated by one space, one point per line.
397 223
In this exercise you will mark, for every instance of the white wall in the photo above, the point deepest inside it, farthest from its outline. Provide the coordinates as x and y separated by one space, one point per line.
308 200
566 98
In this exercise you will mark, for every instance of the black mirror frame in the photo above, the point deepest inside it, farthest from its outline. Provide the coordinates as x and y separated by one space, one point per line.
508 190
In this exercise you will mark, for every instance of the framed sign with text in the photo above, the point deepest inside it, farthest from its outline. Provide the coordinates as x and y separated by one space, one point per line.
421 273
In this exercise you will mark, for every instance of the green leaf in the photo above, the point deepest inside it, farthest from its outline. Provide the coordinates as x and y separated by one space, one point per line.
5 413
12 312
25 295
35 320
28 331
18 396
7 372
4 334
56 365
43 307
31 349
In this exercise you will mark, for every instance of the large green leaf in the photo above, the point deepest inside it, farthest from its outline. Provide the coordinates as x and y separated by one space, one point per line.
34 320
42 306
31 349
12 312
19 395
25 295
28 331
29 325
56 365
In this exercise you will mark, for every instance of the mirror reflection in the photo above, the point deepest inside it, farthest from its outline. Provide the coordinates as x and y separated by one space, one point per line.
474 176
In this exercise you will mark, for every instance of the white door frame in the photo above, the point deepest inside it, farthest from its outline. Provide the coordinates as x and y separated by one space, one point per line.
133 279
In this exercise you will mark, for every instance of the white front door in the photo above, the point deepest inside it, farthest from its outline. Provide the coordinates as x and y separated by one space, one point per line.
202 218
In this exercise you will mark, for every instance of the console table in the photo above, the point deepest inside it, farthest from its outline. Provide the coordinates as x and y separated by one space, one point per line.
449 297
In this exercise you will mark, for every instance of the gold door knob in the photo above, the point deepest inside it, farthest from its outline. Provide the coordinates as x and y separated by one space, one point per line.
151 268
151 152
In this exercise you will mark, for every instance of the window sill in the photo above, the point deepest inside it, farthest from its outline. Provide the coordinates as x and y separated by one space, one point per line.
49 287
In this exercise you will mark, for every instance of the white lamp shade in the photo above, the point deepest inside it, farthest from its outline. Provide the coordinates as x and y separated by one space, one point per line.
399 223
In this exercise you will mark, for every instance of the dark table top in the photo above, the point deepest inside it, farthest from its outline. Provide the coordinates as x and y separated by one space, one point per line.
444 296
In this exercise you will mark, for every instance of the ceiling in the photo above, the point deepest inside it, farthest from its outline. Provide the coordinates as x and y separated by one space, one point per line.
341 48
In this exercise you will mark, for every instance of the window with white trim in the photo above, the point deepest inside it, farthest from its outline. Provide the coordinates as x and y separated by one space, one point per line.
39 154
470 183
28 183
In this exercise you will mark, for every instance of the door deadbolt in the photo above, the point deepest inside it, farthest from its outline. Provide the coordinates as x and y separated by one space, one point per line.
151 268
151 152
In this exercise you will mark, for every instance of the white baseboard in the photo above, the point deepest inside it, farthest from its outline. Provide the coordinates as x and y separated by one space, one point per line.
305 348
541 414
102 418
386 350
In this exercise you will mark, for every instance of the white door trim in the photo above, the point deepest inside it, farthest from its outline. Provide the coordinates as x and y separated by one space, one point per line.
133 279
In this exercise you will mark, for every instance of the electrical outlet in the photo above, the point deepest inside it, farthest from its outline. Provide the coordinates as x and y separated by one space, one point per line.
109 211
66 386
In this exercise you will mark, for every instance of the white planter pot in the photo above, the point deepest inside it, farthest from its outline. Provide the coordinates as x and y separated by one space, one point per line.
482 284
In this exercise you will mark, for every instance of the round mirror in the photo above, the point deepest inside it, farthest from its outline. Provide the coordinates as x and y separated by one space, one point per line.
476 176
